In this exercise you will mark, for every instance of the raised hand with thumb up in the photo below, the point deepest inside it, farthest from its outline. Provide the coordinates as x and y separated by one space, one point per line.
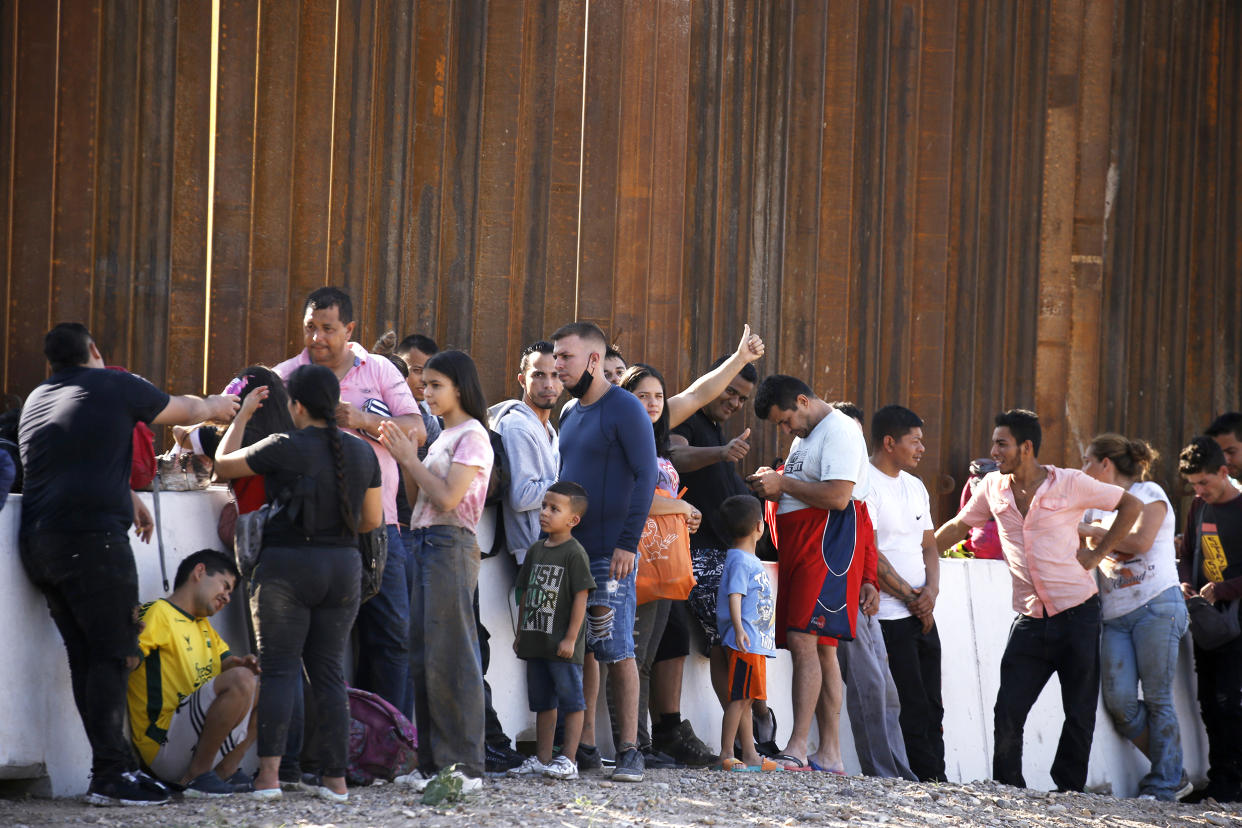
735 449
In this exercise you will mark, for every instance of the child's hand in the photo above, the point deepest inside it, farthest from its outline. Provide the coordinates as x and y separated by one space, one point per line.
566 648
742 639
399 444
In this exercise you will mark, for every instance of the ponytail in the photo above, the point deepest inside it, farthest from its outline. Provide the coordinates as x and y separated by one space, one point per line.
342 493
318 389
1132 458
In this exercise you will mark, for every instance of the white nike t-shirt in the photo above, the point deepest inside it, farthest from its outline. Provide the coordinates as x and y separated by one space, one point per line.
901 512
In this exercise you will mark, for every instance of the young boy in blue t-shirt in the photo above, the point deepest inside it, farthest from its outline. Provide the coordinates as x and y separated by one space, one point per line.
746 621
553 583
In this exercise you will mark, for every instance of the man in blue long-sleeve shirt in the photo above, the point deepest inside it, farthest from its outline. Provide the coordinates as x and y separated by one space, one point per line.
608 448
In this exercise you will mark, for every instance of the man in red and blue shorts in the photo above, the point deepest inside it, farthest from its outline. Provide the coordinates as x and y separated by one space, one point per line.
826 549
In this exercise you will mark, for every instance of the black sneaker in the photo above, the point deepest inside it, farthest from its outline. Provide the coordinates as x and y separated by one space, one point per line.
629 766
588 758
502 758
684 746
657 760
207 785
126 789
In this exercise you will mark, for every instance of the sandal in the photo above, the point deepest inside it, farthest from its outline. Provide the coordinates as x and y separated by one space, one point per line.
791 763
736 765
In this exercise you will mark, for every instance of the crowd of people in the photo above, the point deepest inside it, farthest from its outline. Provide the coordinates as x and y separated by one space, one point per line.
639 527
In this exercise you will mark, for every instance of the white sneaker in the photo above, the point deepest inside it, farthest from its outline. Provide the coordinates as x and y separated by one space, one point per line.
416 780
562 767
469 784
531 767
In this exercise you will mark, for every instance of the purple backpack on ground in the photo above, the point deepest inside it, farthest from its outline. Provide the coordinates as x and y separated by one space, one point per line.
383 744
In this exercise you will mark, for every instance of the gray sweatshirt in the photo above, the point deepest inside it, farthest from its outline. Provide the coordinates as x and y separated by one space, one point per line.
533 451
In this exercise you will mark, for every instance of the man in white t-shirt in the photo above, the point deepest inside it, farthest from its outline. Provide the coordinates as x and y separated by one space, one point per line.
909 576
826 550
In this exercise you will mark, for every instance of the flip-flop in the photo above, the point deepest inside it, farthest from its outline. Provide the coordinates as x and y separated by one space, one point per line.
815 766
794 763
765 766
734 765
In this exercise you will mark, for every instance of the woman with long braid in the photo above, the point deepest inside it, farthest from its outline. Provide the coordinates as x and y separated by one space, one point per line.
306 586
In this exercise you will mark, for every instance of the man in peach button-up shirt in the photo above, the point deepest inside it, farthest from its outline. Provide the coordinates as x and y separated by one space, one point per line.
1037 510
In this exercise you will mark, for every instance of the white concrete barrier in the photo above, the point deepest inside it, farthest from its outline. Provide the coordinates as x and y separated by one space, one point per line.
41 734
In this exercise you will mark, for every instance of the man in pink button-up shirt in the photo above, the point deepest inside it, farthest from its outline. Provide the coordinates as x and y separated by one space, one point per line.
372 391
1037 510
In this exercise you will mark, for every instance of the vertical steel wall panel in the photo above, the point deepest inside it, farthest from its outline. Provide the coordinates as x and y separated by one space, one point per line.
959 205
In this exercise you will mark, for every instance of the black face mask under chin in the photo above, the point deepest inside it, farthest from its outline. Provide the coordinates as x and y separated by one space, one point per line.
578 389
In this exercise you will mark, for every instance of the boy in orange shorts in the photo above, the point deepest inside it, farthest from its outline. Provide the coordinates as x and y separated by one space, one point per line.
746 621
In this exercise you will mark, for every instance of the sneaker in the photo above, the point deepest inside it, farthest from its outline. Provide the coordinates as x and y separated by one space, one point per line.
126 789
629 766
658 760
469 784
1184 788
684 746
326 793
588 758
416 779
533 767
501 758
562 767
207 785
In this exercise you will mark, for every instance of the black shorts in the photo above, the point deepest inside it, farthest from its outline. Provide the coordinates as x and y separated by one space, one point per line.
675 643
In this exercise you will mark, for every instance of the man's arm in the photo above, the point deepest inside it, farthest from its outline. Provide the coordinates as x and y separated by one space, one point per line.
187 410
687 458
638 446
821 494
523 450
925 597
1128 510
954 531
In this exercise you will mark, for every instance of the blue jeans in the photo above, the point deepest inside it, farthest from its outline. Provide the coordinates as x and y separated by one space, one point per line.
552 685
444 649
383 632
1142 646
611 636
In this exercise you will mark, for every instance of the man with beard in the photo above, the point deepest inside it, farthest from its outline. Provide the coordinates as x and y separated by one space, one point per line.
1037 510
531 445
708 466
608 448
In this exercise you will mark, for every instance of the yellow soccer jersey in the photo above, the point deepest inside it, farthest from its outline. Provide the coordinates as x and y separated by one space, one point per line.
180 653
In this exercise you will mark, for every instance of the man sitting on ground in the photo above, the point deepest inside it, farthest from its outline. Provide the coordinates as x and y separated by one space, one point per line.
191 702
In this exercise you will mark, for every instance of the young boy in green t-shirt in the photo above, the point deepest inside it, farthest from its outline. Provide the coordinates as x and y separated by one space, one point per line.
551 637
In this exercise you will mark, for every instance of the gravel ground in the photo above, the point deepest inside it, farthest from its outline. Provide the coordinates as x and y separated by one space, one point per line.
666 798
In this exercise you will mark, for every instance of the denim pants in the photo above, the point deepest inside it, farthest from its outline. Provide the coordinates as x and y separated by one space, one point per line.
91 586
1142 646
383 622
444 649
914 658
304 602
1067 644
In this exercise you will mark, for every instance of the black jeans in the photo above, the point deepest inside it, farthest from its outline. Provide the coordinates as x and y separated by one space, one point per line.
1220 703
1067 644
304 603
91 586
914 660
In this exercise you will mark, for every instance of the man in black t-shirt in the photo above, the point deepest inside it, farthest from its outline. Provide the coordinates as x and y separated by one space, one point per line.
707 463
76 447
1211 566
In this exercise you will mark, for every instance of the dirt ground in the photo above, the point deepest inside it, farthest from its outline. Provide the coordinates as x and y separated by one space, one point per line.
665 798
